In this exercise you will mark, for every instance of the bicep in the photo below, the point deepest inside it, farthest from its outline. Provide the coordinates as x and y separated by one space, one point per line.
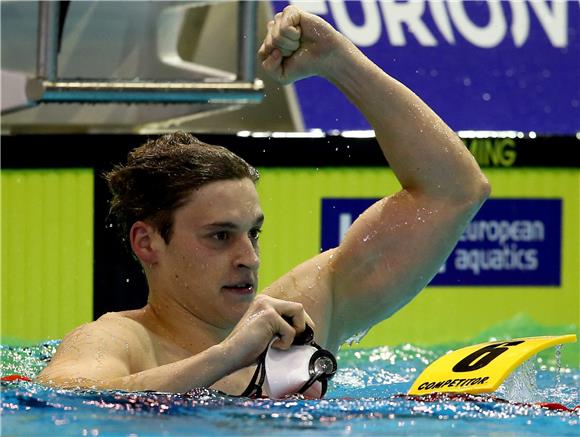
389 254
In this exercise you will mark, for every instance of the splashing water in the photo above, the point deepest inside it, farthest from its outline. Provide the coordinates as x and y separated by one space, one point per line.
364 398
558 363
521 385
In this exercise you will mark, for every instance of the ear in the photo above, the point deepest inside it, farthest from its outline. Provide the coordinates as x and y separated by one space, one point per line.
143 237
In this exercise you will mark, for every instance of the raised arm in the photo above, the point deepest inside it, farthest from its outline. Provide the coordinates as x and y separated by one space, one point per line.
395 248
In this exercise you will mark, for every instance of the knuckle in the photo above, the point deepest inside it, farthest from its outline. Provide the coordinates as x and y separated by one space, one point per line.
299 306
261 300
286 42
270 313
260 303
287 32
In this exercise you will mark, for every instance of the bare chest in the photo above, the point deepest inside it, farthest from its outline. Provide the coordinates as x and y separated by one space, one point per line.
235 383
162 353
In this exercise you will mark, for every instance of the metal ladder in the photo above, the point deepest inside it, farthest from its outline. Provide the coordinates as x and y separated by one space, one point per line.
47 87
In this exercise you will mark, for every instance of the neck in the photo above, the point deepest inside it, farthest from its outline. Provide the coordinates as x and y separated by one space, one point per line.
170 320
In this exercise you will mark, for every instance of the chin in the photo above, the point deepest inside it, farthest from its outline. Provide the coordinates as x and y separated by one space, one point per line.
236 313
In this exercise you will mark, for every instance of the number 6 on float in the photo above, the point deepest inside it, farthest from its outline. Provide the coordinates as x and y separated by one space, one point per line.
481 368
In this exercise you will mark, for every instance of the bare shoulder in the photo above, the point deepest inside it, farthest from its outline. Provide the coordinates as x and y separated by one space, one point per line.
126 323
112 327
114 343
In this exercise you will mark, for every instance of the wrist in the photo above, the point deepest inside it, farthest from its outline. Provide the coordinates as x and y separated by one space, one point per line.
343 61
227 356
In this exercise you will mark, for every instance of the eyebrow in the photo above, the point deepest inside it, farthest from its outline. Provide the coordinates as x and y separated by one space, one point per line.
233 226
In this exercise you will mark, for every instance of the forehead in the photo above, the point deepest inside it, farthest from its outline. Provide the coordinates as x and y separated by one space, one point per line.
233 200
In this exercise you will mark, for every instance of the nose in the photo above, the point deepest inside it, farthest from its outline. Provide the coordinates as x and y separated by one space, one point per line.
248 254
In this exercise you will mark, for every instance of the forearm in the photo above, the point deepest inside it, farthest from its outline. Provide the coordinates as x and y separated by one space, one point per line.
201 370
425 154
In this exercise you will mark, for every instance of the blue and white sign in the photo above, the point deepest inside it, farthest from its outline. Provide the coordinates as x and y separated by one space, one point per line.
509 241
481 65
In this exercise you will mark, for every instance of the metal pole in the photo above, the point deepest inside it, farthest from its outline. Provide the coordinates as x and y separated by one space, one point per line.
67 91
247 17
47 87
47 46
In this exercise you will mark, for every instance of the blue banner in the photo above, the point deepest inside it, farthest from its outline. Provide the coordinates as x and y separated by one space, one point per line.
481 65
509 242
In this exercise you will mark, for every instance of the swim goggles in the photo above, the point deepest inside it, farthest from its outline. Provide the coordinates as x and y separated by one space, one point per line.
294 370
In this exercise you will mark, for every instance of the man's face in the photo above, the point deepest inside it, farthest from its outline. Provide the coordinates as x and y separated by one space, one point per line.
210 266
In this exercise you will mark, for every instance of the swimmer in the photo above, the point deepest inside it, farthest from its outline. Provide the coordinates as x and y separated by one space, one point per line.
192 217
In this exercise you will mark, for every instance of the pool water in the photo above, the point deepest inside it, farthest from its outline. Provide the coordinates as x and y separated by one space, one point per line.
364 398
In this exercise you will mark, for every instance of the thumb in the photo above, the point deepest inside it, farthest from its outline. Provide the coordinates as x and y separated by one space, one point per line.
285 336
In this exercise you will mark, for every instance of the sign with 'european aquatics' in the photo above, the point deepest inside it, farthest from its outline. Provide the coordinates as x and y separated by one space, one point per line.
508 242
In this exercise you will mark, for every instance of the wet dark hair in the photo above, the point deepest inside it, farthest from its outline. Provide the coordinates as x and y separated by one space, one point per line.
161 174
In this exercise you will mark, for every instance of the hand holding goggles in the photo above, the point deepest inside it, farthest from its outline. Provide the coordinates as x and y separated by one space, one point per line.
294 370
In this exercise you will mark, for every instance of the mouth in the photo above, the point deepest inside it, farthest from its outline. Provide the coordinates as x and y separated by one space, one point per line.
242 288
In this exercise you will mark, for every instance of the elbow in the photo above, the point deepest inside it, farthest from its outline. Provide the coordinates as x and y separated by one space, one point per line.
482 189
470 196
476 194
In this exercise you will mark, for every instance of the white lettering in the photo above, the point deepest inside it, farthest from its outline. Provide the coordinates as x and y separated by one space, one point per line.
553 23
532 259
442 20
520 23
503 231
402 18
508 258
317 7
363 36
410 13
344 222
487 36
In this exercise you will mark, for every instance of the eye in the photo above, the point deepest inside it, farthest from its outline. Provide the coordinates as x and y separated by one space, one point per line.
221 236
254 234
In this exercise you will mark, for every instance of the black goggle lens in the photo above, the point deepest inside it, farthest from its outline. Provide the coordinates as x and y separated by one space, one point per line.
322 367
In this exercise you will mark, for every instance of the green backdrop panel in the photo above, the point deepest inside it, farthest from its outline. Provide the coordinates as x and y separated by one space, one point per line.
47 253
291 199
